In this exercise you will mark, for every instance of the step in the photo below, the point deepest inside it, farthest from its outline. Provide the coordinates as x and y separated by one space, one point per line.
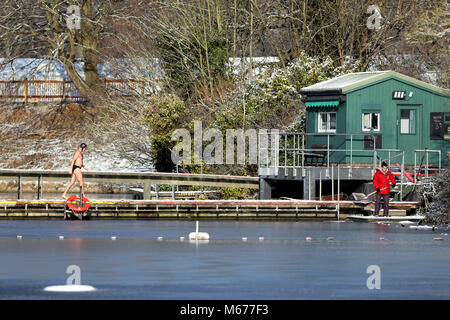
392 212
355 218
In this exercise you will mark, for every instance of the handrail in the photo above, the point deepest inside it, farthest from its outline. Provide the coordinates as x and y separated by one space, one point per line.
145 178
294 148
426 151
302 151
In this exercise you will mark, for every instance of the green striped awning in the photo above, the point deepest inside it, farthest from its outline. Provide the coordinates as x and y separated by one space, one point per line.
322 104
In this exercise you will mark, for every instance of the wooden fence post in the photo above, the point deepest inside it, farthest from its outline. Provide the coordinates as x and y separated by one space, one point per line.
63 90
25 90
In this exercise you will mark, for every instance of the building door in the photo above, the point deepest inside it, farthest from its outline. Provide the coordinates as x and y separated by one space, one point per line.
409 131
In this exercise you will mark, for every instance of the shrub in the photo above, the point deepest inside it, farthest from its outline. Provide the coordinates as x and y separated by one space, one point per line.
436 198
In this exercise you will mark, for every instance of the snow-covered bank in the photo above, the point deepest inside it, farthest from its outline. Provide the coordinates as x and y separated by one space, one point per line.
45 137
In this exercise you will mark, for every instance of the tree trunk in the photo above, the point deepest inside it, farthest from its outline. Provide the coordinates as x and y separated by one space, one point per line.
79 83
91 74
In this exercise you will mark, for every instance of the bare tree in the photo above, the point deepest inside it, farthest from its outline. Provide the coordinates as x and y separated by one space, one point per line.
63 31
183 47
427 39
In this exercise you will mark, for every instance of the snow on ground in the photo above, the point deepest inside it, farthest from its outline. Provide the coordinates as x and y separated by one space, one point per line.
32 68
38 138
56 154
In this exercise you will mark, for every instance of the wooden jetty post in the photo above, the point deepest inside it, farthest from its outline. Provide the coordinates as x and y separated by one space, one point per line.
39 187
332 183
338 191
147 191
320 185
19 187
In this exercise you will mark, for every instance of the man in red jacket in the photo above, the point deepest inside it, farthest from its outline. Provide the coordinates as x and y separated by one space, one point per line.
383 188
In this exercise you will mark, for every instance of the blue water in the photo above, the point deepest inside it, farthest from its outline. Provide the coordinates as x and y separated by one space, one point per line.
283 266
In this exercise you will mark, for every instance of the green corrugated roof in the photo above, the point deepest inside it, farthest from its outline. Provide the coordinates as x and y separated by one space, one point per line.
322 104
352 81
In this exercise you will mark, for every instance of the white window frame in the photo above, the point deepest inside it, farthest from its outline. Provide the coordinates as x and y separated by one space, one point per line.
328 122
370 121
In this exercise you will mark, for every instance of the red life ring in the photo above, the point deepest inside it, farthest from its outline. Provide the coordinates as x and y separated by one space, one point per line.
86 206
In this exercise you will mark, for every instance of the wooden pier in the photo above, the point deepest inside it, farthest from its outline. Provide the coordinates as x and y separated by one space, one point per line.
148 208
197 209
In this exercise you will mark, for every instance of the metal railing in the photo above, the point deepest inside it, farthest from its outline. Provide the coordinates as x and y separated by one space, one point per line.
147 179
426 157
290 151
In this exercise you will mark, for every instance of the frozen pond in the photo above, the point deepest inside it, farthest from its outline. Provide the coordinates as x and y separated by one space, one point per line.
282 266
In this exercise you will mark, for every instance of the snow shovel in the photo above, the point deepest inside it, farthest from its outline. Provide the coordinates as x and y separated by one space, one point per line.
375 192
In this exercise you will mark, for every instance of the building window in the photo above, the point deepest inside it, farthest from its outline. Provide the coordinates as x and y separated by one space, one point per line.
371 121
407 121
368 142
326 122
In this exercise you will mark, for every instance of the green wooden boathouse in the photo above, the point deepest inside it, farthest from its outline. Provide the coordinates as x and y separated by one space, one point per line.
354 123
397 111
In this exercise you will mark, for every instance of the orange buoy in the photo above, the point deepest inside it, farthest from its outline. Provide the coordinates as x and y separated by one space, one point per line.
308 238
86 206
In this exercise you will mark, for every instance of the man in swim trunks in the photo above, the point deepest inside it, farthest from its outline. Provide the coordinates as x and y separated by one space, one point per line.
75 169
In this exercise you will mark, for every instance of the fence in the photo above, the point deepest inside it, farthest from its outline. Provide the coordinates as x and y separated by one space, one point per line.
289 150
427 170
144 178
63 90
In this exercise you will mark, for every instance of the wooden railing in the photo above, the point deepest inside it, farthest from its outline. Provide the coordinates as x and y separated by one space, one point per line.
63 90
144 178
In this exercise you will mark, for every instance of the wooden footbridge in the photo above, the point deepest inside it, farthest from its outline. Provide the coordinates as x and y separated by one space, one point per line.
144 178
195 209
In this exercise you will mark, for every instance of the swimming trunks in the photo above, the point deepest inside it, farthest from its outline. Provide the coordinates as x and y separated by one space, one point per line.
75 167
